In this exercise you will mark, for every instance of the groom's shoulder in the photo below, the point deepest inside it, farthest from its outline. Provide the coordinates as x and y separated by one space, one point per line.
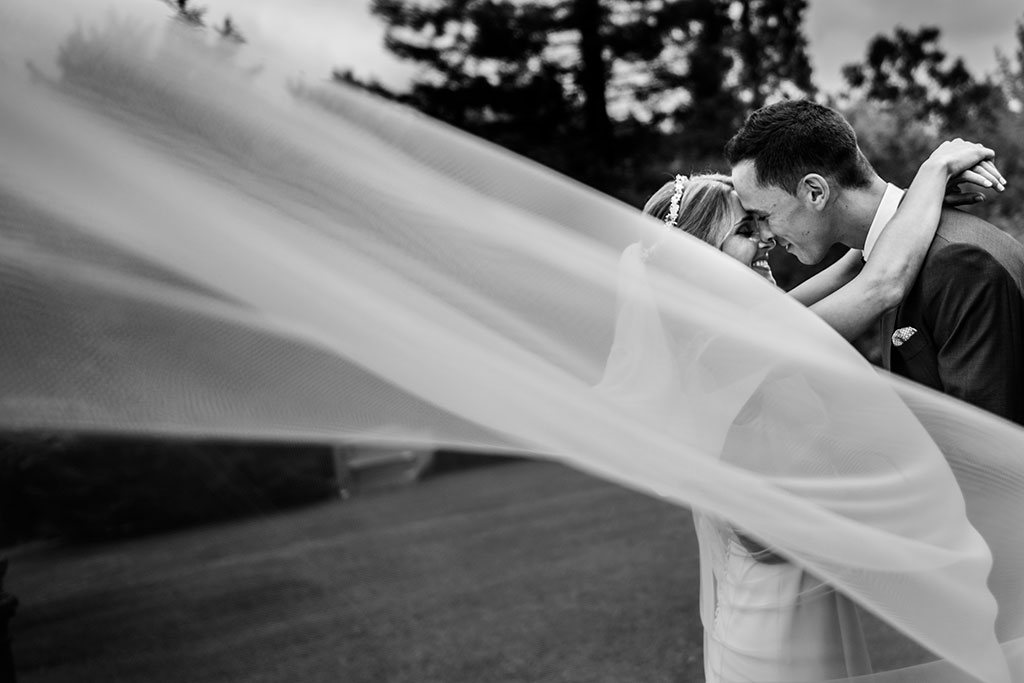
961 231
968 246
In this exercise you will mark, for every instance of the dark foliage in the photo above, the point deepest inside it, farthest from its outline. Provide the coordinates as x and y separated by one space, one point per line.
444 461
94 487
599 90
911 69
773 51
908 95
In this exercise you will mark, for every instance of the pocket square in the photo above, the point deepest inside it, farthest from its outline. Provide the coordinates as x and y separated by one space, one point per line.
900 336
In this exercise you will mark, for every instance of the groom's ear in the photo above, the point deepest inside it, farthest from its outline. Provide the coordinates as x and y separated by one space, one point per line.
814 190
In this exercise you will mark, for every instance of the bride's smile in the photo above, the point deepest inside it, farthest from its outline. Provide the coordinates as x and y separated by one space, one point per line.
743 241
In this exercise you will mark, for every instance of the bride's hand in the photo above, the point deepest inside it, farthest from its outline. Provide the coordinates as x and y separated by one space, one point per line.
966 162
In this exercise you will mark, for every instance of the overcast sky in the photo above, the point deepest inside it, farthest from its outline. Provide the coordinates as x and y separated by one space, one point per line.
323 34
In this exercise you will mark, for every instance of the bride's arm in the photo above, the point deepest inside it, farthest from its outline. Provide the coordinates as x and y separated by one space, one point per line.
820 285
885 279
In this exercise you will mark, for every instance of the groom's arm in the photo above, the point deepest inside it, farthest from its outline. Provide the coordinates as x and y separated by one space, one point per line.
974 310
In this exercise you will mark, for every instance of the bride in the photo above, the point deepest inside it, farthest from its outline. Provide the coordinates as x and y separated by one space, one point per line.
765 618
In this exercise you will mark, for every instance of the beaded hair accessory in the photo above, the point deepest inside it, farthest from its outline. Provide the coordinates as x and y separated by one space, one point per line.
672 218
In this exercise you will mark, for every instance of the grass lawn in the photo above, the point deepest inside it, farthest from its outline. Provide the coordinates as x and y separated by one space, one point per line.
521 572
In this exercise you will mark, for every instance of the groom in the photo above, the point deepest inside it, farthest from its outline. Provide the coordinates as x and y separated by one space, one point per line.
797 167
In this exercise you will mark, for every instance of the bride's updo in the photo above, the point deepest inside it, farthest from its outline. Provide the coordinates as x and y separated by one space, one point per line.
703 208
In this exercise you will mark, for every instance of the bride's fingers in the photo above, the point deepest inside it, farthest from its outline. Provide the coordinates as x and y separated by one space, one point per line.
991 167
989 171
983 171
976 176
979 175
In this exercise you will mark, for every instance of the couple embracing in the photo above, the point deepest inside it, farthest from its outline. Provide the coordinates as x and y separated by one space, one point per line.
945 288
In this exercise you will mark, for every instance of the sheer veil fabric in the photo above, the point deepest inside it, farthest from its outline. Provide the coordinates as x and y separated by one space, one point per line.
189 246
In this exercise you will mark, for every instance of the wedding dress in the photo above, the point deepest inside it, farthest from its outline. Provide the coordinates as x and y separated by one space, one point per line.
773 620
193 242
765 618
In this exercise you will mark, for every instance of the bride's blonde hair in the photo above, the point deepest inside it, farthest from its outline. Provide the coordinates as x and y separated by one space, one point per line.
704 210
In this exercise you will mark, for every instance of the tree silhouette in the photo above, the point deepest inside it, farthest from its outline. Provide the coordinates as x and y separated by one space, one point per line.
773 51
587 85
713 110
1011 70
493 69
911 70
908 95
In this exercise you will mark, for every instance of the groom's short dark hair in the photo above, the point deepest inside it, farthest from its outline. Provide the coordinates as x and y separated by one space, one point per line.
789 139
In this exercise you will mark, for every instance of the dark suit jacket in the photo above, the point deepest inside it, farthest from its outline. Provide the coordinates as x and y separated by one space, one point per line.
967 305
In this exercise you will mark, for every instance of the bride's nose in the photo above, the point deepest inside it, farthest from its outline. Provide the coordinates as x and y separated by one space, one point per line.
768 244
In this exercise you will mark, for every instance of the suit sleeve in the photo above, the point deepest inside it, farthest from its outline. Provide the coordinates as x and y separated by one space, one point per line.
974 310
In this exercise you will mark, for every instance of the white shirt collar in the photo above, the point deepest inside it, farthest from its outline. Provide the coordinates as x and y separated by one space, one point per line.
886 210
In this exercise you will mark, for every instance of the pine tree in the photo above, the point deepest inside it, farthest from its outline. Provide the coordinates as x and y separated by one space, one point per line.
583 85
772 50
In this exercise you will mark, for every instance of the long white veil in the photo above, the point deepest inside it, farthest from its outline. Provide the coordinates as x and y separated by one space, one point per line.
189 247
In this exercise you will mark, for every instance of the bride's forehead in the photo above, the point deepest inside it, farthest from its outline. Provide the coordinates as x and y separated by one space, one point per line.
735 204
